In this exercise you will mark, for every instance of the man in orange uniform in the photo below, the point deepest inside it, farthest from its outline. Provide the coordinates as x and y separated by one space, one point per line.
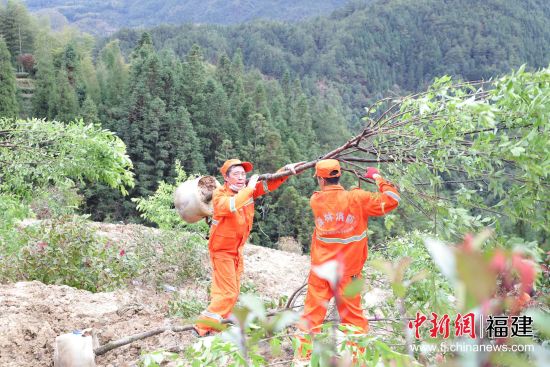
341 220
231 224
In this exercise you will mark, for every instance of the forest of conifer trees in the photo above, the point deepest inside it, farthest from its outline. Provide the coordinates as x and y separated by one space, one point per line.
268 92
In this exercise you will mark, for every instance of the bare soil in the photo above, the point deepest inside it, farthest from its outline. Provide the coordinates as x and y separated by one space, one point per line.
32 314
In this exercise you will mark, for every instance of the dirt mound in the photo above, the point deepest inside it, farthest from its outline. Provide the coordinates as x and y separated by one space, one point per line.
274 272
289 244
33 314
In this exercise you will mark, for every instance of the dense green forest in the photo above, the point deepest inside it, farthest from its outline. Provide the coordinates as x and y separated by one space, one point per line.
100 17
366 51
268 92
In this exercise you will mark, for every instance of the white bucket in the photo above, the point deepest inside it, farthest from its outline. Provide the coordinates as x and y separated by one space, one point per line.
193 198
75 349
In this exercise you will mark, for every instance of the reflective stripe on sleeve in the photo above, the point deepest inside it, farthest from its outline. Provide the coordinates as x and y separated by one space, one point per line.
215 222
249 201
393 195
264 183
343 241
232 204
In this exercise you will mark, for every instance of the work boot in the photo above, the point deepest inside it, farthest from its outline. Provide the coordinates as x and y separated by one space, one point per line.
201 333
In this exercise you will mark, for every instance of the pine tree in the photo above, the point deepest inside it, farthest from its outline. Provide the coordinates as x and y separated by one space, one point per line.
260 101
293 215
17 29
194 81
329 121
112 75
8 88
149 160
300 124
214 123
171 74
45 93
184 143
66 103
89 111
226 150
87 79
224 74
145 113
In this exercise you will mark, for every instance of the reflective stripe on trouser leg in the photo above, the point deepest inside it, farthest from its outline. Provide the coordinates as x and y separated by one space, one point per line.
225 287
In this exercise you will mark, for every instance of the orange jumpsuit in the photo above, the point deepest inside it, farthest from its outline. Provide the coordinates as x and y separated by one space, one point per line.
341 220
231 225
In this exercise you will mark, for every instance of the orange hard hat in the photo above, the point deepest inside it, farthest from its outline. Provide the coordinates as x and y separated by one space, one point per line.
328 168
235 162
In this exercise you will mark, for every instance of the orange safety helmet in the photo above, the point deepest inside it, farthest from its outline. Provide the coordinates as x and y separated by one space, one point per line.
328 168
235 162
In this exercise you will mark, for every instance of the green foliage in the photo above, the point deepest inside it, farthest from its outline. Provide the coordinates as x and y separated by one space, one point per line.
8 91
159 207
41 160
157 359
89 111
66 251
470 40
12 209
195 101
346 343
171 257
39 153
93 17
112 75
45 93
66 102
249 288
472 155
256 340
491 279
185 306
417 280
16 28
55 201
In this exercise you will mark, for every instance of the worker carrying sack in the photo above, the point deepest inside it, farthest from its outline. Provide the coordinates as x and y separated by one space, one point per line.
193 198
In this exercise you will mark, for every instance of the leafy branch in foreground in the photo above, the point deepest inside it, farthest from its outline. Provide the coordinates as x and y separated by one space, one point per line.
37 153
481 146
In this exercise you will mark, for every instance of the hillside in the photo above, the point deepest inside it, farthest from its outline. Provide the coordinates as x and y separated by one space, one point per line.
103 17
34 313
370 50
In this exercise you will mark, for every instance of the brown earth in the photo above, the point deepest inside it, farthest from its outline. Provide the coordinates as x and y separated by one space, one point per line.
33 314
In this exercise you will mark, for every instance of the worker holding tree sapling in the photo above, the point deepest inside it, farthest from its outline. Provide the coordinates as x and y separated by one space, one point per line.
231 224
339 244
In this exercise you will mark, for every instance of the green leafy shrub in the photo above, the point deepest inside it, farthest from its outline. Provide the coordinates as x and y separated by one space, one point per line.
433 292
12 210
50 202
159 207
185 306
67 251
170 256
